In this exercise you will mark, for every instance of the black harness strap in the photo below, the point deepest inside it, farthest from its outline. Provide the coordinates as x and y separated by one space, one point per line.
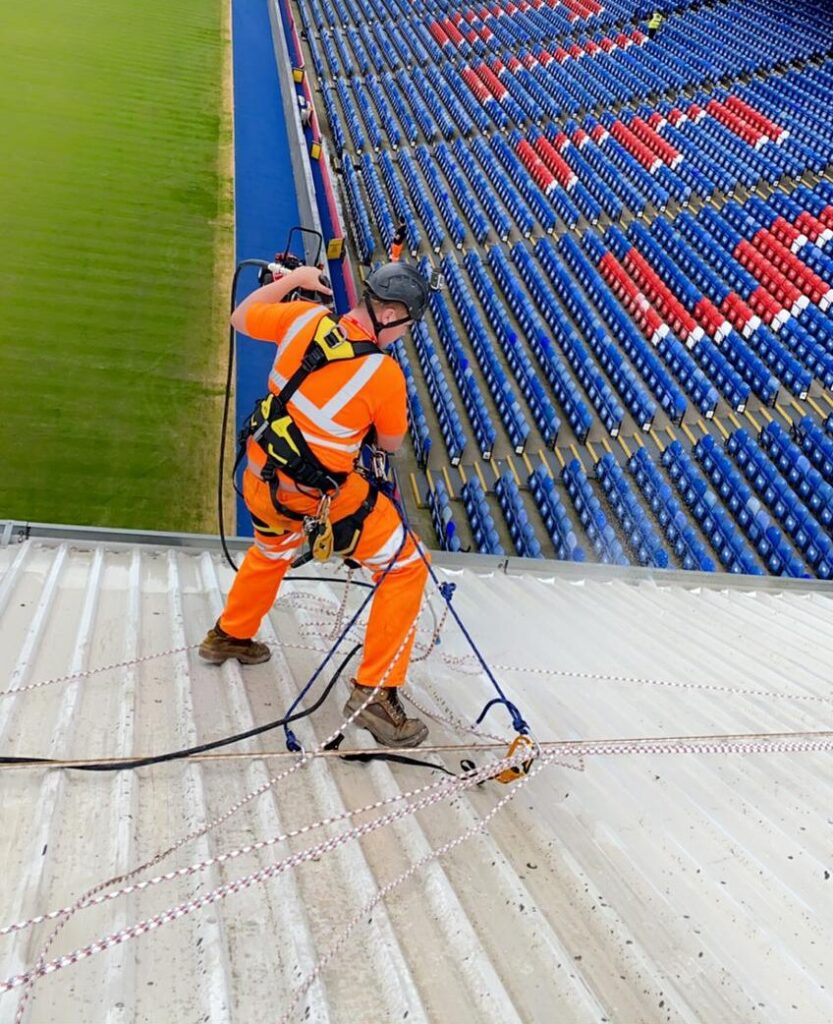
272 427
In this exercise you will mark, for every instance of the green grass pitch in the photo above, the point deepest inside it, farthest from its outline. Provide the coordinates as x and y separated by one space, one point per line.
114 226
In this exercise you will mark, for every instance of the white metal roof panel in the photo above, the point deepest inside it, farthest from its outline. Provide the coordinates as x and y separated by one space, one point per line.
646 887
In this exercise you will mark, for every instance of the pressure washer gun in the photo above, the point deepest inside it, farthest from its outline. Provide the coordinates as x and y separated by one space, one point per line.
287 261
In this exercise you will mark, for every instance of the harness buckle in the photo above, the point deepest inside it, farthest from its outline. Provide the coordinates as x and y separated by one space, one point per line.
517 771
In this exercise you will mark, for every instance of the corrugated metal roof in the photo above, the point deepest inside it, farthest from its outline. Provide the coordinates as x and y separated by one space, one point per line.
647 887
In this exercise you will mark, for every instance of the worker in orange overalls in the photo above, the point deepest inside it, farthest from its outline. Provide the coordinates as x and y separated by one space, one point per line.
331 383
398 241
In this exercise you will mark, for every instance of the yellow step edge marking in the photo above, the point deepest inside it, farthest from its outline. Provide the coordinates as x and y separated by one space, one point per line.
417 499
638 439
479 472
671 433
827 398
624 445
752 419
495 470
462 473
527 463
787 419
721 428
656 440
765 414
607 447
688 433
514 471
732 417
430 479
592 452
702 425
576 455
451 493
816 407
544 462
560 458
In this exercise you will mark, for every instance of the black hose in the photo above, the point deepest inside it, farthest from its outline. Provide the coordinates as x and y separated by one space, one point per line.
178 755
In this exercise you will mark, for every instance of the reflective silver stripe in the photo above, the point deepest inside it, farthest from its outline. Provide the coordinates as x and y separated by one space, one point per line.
322 416
299 324
311 411
385 553
368 365
279 556
327 442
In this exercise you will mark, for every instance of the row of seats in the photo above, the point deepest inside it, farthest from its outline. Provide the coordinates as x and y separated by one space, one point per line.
500 220
640 534
445 407
473 401
675 355
363 233
782 298
641 354
555 517
563 386
442 517
480 518
509 409
805 480
438 190
755 522
519 362
477 220
816 445
622 377
591 515
421 200
520 212
673 521
417 423
521 530
683 301
713 308
402 207
596 387
553 157
730 547
786 507
743 305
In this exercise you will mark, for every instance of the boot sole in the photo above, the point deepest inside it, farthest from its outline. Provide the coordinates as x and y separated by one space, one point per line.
220 659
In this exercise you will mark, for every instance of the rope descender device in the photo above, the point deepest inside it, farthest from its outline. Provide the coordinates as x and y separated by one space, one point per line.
517 771
319 534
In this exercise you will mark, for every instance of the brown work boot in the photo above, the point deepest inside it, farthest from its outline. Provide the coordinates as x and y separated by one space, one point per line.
385 718
218 647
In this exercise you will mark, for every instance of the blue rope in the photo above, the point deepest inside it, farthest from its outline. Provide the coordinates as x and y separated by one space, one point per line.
447 590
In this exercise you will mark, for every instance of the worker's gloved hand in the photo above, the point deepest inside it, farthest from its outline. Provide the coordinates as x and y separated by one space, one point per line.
311 279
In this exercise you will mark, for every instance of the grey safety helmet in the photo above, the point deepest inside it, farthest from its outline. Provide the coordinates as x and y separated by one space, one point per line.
397 282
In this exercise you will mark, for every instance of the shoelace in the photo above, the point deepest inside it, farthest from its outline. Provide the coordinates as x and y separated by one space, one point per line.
394 706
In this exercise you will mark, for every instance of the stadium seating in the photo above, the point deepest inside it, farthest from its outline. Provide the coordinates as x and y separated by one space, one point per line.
480 126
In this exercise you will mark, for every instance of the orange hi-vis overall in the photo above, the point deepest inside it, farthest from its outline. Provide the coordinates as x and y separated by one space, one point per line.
334 408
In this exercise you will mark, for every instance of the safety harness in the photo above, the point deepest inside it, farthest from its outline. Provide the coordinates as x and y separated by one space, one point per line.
272 428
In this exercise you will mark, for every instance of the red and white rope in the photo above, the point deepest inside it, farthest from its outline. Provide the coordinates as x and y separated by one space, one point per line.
449 787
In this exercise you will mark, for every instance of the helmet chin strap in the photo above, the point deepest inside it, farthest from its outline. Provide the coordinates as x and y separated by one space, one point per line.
377 325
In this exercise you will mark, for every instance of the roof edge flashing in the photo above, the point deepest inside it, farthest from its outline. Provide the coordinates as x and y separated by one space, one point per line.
17 531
